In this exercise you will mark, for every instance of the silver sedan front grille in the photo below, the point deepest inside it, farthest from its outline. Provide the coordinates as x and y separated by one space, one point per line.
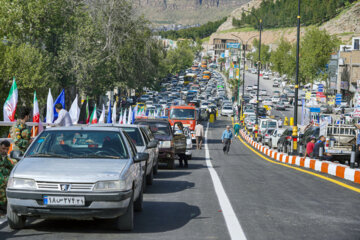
70 187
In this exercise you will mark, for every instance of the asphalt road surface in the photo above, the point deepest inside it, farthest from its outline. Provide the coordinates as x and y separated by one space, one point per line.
269 201
266 84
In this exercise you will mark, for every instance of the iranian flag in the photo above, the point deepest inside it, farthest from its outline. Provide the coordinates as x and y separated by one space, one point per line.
10 104
87 110
93 117
121 117
36 112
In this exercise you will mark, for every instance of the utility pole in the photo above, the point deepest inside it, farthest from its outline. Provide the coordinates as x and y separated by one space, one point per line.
295 128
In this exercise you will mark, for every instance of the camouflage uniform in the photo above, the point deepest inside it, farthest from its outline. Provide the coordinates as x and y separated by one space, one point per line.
21 136
5 169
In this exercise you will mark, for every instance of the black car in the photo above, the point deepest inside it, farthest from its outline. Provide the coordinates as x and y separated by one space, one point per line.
285 140
310 132
262 112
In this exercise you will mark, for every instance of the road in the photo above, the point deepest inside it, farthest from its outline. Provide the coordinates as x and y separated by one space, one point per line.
270 201
251 79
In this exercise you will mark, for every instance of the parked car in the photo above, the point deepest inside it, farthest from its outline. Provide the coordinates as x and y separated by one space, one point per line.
266 76
310 132
280 106
285 140
170 144
266 136
77 172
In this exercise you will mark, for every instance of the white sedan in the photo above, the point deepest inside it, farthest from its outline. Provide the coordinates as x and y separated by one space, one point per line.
275 99
267 102
227 111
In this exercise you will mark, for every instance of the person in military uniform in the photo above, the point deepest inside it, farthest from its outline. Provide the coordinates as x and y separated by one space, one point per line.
20 134
5 168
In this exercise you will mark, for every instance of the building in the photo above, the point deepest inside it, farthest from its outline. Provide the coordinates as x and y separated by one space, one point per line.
348 77
220 45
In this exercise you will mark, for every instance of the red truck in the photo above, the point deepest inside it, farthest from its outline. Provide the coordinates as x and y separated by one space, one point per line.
185 114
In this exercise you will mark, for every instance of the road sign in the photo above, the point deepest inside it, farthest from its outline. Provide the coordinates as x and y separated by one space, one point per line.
320 87
233 45
338 99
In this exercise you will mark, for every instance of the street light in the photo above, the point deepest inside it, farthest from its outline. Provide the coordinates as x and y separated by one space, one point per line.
295 128
258 80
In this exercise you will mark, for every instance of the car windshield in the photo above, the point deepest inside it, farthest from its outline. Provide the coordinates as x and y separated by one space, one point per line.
79 144
178 113
135 135
227 108
158 128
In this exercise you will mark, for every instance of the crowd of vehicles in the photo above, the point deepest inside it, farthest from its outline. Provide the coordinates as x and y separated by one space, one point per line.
101 171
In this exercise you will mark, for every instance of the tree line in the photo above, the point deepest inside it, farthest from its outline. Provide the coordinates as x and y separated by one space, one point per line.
283 13
194 33
86 47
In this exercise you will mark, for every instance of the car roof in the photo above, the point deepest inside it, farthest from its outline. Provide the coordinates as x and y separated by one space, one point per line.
116 125
83 128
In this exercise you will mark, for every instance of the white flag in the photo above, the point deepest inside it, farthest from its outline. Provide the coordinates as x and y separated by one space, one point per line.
49 108
130 116
74 111
113 116
121 117
102 116
124 117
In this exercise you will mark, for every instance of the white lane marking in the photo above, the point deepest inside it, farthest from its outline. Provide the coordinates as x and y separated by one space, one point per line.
232 222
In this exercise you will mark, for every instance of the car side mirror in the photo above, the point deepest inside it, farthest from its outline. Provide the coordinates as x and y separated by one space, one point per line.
152 144
141 157
16 154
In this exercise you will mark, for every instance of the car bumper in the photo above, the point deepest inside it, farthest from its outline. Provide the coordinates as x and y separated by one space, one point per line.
97 205
166 154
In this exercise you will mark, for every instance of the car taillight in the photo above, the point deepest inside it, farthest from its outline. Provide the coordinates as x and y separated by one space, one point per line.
289 138
266 135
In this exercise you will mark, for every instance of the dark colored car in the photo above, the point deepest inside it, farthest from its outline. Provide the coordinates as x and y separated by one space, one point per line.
170 144
262 112
285 140
310 132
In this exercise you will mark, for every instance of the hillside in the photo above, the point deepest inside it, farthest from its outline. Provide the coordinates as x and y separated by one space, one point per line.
186 12
345 26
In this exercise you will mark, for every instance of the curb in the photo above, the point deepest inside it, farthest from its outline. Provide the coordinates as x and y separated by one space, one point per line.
334 169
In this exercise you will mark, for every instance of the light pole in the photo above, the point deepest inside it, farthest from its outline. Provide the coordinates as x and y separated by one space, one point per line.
239 60
258 78
295 128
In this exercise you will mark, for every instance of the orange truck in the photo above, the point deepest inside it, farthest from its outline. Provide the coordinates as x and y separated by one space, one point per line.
185 114
206 75
204 64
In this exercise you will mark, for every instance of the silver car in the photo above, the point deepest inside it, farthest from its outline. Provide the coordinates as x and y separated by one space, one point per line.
77 172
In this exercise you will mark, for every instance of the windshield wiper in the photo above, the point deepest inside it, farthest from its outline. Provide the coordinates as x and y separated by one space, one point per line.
48 155
97 156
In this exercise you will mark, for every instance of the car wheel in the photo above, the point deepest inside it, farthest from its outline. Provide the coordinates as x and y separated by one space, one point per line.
156 168
138 204
150 178
126 221
15 221
171 164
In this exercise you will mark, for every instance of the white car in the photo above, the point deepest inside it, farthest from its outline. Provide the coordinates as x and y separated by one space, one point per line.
263 92
265 76
255 87
267 102
275 137
275 99
249 88
227 110
204 105
249 112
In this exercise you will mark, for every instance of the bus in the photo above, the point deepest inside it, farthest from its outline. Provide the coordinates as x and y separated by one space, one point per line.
206 75
189 78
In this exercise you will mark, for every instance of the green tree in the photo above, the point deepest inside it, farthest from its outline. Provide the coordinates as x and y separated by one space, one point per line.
281 56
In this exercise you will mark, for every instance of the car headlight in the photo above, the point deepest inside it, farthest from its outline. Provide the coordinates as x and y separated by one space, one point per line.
165 144
21 183
117 185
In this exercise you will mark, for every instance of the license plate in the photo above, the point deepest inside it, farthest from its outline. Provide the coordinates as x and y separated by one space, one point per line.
64 201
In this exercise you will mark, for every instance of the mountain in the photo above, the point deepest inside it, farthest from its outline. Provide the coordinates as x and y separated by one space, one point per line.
185 12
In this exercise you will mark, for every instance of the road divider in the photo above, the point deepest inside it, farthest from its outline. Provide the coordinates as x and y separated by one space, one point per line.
334 169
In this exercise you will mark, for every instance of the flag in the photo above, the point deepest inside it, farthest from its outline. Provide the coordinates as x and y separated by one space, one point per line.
10 104
36 113
109 116
123 121
129 121
113 116
135 111
121 117
102 116
93 117
87 110
74 111
59 99
49 108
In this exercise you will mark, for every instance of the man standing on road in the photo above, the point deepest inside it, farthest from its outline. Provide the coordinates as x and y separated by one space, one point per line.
280 123
20 134
226 139
5 169
310 147
199 134
64 118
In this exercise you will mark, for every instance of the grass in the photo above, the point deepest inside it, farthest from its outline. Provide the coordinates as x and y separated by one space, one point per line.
205 39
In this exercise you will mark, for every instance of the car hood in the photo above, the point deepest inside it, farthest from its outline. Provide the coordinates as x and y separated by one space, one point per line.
81 170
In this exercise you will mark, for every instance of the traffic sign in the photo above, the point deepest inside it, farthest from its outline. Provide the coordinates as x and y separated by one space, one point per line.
338 99
233 45
320 87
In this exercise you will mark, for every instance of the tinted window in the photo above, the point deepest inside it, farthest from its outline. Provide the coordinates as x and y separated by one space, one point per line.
158 128
135 135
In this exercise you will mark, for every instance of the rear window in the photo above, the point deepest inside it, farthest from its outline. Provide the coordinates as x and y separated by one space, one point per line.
157 128
135 136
